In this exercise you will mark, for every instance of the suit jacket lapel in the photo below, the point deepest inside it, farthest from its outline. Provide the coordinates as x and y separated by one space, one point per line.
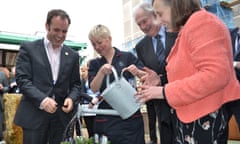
150 54
63 61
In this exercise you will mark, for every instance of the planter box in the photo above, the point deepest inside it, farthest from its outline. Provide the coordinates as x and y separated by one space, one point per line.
13 133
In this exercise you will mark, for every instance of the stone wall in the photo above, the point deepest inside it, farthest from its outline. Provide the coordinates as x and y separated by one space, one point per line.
236 14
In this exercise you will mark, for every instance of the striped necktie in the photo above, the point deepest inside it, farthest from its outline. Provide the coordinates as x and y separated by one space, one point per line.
160 51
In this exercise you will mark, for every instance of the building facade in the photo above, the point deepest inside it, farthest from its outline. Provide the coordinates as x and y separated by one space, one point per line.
227 10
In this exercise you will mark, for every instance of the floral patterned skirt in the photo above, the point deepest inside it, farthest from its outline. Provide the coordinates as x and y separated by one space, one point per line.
210 129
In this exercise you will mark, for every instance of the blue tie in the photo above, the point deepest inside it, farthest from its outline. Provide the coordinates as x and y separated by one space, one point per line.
160 51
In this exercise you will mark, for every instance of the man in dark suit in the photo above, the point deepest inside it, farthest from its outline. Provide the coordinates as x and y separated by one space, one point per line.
47 73
146 51
235 37
234 107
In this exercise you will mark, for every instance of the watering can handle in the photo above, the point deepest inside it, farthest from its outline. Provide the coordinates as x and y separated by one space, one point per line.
115 76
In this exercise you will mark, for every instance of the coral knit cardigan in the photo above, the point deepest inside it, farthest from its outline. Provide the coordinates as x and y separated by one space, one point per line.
200 68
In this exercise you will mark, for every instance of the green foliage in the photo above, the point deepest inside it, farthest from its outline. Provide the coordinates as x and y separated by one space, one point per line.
83 140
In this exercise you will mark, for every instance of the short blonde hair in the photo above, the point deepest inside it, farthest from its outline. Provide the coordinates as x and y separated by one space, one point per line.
99 31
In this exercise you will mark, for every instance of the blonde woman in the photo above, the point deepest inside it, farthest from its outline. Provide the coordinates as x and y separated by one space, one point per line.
119 131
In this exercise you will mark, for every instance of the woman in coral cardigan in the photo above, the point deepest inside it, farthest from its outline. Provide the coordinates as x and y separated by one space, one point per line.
200 73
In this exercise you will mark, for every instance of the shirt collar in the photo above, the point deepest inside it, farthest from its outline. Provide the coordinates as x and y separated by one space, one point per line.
47 43
162 31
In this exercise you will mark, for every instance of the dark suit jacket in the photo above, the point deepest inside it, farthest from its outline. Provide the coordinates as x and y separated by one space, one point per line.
83 87
4 82
146 54
34 77
235 105
84 96
236 56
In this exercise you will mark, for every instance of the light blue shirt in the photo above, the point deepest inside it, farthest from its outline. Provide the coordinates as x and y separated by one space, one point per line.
89 91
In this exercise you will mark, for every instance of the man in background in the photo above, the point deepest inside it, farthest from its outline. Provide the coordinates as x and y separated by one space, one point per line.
85 101
148 52
235 105
13 88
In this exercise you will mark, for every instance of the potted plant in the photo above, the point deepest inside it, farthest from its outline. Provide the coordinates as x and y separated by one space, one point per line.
91 140
68 137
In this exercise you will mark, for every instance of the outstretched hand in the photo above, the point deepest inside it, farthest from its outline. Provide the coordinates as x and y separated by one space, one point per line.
150 78
134 71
